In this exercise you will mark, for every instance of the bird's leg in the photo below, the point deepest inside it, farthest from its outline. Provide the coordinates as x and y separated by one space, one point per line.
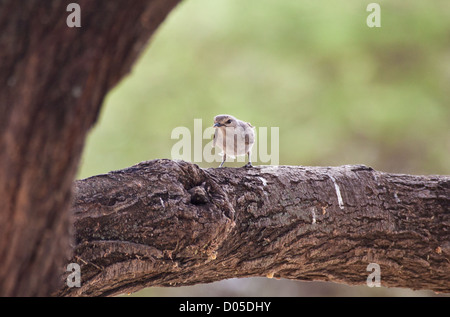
249 164
223 161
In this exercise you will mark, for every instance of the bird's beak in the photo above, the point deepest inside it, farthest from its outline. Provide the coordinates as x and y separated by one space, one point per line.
217 124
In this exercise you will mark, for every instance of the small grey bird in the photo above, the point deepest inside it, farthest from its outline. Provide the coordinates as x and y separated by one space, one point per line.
234 137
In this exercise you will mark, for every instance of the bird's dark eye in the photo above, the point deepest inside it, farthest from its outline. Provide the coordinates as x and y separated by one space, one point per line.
229 121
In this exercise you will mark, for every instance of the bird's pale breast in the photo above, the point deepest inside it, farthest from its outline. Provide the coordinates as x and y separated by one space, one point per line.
235 141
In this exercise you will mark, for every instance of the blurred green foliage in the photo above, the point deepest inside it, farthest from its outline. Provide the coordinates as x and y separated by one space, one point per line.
341 92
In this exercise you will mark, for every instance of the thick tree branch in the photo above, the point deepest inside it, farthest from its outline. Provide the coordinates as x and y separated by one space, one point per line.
166 223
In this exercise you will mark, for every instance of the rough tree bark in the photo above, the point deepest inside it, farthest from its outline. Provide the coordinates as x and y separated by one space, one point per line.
52 82
166 223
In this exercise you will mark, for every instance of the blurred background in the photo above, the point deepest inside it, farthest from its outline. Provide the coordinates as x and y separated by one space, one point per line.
339 91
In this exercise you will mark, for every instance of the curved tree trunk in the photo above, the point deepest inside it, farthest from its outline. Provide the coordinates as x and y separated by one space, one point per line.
52 82
166 223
